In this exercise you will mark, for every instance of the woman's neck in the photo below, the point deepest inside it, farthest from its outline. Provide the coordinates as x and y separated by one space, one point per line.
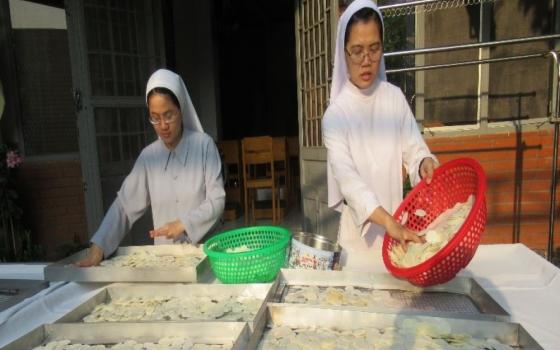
171 146
363 92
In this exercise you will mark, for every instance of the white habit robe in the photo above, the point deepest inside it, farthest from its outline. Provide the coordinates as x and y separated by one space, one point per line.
370 135
184 183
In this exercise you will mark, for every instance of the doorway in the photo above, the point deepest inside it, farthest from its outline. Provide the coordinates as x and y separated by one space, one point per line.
256 67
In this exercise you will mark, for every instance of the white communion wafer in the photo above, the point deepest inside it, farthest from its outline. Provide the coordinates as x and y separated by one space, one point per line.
437 234
175 309
147 258
167 343
412 334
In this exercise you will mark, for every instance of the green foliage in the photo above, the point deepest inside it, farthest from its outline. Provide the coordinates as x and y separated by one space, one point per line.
15 242
395 39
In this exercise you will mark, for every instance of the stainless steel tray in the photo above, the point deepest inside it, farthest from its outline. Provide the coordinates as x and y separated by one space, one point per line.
512 334
129 290
110 333
461 297
65 271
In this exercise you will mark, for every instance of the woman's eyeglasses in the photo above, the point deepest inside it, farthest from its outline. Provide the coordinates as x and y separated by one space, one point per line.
166 118
358 54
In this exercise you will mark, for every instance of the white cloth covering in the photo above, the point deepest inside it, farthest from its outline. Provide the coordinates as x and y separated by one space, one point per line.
340 70
340 78
523 283
184 183
172 81
369 134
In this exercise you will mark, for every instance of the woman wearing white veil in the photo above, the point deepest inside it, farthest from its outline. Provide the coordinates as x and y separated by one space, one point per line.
370 133
178 175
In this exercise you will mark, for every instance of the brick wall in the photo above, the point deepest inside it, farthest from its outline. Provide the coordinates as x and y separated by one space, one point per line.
518 168
53 201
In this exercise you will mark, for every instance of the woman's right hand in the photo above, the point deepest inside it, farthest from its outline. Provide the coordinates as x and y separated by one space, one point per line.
93 258
402 234
381 217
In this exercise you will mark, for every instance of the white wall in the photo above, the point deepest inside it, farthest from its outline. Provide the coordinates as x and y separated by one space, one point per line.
195 57
29 15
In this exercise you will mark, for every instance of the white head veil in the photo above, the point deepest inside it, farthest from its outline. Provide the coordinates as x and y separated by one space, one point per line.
167 79
340 71
340 77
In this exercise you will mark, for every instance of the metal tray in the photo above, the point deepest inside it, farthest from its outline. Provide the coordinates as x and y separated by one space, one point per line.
512 334
65 271
128 290
461 297
110 333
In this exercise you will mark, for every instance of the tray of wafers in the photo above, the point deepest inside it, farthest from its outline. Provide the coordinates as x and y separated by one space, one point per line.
199 336
461 297
151 263
310 327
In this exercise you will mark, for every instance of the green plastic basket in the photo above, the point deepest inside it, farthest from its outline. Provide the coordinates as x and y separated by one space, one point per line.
267 248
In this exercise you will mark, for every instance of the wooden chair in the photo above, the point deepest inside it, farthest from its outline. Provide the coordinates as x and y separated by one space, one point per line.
230 152
281 169
293 165
258 173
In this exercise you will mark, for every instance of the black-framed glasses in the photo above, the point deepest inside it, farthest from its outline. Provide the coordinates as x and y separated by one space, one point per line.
358 54
166 118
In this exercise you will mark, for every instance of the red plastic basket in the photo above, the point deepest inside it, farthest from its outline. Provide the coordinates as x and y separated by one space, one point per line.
452 182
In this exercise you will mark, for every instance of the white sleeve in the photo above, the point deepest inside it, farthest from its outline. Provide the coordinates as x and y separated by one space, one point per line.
112 230
199 221
359 197
132 201
414 147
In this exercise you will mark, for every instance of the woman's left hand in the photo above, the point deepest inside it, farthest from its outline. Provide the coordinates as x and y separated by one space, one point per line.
171 230
427 167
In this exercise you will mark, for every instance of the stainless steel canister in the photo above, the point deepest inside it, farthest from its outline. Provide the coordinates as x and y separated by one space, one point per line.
315 252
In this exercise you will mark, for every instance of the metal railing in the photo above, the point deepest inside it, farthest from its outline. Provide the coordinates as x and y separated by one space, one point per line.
425 6
466 63
472 46
554 118
407 4
554 96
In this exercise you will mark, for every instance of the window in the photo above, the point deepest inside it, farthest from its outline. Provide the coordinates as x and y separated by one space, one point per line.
471 95
44 78
519 89
313 26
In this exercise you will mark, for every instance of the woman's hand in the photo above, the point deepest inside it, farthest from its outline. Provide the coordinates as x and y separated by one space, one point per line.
172 230
381 217
402 234
427 167
93 258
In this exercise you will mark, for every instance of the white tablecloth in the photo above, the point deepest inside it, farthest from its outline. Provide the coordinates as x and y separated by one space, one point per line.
22 271
523 283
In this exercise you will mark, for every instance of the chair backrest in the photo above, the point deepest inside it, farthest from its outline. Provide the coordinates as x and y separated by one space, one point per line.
293 146
279 149
257 150
230 151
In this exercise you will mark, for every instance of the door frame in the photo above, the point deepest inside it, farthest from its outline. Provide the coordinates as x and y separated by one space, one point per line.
84 111
86 103
317 217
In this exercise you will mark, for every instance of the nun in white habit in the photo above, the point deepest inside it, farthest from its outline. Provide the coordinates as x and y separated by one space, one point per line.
370 133
178 175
